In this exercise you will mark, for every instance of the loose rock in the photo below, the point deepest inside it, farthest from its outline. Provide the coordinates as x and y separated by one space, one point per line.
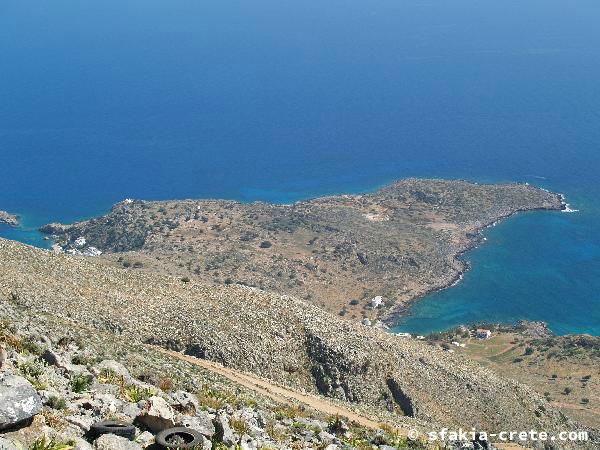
19 401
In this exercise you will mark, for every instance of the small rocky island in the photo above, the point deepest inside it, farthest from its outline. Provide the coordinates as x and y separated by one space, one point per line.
340 252
9 219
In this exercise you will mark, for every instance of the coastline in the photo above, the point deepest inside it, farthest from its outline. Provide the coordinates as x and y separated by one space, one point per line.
326 250
399 310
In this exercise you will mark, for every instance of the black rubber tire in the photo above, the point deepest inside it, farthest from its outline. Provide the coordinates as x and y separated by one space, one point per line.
110 427
192 438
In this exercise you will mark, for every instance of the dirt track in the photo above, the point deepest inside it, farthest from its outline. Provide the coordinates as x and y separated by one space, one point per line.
276 392
286 395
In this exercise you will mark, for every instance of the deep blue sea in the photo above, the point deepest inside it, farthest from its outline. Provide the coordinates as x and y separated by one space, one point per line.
281 100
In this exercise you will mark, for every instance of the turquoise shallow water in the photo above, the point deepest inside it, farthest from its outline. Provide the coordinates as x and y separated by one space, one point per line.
538 266
278 101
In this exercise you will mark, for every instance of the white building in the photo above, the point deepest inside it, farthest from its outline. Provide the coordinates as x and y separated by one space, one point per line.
80 242
376 302
483 334
404 335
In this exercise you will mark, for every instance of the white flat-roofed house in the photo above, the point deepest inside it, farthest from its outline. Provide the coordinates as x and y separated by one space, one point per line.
480 333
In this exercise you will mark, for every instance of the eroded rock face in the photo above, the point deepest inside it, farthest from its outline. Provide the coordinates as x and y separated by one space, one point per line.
19 401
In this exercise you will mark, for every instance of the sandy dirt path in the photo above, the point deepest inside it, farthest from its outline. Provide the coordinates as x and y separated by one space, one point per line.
274 391
286 395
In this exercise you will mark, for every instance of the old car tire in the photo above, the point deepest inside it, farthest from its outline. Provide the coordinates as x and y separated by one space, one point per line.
190 437
112 427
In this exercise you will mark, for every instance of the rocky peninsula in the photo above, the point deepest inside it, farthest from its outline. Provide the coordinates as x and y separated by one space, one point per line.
339 252
7 218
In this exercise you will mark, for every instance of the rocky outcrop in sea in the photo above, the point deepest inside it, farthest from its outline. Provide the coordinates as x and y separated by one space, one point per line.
7 218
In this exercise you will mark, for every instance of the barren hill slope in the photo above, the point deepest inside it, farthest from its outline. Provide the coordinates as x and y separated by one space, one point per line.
281 338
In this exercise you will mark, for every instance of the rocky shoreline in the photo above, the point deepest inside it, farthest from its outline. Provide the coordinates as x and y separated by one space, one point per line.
400 310
7 218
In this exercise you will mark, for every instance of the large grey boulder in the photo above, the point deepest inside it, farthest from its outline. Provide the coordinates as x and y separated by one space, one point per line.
112 442
19 401
202 423
157 415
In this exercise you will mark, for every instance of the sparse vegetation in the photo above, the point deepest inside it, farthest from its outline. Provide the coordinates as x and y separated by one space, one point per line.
56 402
109 376
289 412
51 444
33 371
240 426
80 383
133 393
212 398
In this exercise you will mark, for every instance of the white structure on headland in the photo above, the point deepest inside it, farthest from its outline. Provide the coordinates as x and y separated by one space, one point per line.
483 334
92 251
404 335
376 302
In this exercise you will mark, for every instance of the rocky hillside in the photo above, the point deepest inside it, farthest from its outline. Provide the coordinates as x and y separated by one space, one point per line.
280 338
335 252
57 384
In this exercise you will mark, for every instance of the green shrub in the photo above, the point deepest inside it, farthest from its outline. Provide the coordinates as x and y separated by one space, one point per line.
32 371
80 383
55 402
109 376
134 394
